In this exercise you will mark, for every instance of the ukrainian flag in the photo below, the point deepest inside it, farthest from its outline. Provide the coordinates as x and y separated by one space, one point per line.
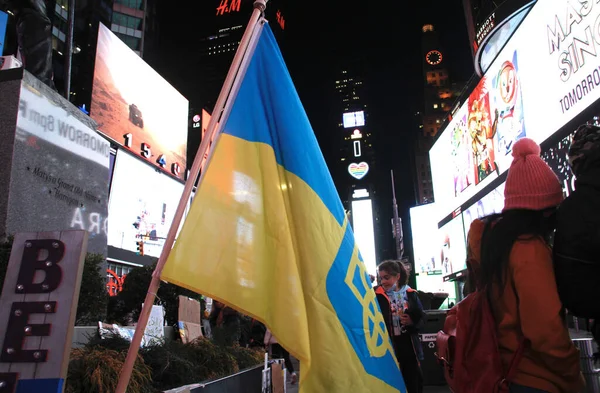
267 235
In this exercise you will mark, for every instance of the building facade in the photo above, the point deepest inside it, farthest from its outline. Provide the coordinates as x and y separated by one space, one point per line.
354 165
439 94
220 33
128 19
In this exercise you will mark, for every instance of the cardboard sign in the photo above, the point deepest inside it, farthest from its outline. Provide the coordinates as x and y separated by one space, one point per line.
37 309
277 376
190 321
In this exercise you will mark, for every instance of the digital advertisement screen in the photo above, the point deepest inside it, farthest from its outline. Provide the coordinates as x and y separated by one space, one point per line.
60 169
492 203
497 41
142 205
423 224
136 107
3 23
547 74
435 284
557 158
354 119
452 247
364 232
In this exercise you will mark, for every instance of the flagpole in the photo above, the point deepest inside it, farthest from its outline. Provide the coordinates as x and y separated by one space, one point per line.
220 107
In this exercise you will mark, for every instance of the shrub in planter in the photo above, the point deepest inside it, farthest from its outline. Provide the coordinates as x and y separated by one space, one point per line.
5 247
219 360
245 357
129 300
97 370
173 365
93 298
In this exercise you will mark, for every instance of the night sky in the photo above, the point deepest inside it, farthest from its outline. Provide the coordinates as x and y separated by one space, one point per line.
384 36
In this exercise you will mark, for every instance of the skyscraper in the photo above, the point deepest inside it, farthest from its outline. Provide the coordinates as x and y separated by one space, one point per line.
128 19
438 98
219 36
476 12
354 165
220 33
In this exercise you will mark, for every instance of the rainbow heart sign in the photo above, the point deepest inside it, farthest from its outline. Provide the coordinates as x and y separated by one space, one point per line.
358 171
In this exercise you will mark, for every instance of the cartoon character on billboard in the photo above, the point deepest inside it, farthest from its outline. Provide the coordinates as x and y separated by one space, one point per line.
509 106
461 157
482 132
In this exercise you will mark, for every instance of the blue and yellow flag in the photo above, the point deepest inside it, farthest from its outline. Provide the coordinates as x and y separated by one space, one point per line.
267 235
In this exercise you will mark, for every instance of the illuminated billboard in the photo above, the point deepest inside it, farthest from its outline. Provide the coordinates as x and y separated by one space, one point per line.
354 119
3 23
364 232
134 106
452 246
141 206
545 76
59 166
422 225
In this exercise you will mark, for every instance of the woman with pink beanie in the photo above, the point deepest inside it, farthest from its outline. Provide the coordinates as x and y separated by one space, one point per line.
516 270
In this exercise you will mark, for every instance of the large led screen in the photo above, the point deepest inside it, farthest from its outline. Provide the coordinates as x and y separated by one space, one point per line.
364 233
354 119
423 224
490 204
452 247
547 74
3 23
59 168
142 205
136 107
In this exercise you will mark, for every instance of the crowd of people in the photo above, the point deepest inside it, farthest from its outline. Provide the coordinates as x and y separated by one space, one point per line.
537 259
229 327
533 261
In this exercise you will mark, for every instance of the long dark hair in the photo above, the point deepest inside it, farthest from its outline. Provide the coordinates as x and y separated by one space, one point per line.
395 267
500 234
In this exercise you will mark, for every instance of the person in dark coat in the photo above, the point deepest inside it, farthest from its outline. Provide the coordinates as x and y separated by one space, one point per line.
404 317
577 238
225 324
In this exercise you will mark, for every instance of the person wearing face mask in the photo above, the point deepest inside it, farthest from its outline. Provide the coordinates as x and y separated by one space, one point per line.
403 314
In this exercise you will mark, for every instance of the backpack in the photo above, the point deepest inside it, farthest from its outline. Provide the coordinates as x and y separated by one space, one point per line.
576 253
468 348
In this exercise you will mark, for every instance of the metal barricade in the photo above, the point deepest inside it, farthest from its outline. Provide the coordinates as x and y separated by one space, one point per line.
587 347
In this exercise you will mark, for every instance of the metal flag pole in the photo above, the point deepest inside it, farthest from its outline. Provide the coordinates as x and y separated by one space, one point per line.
221 107
69 49
397 225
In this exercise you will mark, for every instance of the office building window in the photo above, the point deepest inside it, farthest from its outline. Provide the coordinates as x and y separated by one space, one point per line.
135 4
132 42
127 21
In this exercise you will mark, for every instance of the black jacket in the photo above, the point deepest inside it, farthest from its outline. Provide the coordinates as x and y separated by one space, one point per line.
415 311
577 247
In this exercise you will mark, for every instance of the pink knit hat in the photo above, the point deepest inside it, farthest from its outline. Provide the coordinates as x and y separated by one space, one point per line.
530 183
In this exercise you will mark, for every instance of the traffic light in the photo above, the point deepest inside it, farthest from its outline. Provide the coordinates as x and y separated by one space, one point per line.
140 247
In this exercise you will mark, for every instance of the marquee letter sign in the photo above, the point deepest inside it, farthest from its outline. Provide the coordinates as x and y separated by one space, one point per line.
37 310
358 171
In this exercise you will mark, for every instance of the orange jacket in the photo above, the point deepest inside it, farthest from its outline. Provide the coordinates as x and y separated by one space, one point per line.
530 307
